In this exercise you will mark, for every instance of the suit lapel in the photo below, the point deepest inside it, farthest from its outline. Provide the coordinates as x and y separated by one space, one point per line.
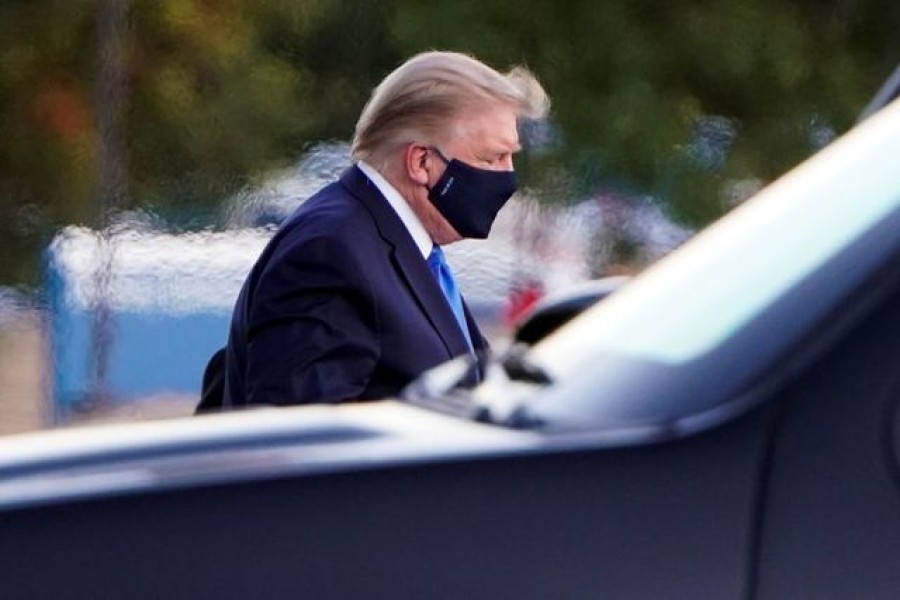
408 262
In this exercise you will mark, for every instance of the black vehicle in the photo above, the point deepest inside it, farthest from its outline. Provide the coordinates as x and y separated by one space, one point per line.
723 426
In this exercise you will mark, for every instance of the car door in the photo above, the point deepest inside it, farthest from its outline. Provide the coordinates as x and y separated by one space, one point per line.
830 524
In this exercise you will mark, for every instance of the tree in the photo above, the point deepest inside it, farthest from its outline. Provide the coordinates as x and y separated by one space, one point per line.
206 105
679 99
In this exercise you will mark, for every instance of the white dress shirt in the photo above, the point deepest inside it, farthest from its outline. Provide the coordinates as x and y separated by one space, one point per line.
401 207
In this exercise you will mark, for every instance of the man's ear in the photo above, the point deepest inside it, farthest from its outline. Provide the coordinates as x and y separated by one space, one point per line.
416 161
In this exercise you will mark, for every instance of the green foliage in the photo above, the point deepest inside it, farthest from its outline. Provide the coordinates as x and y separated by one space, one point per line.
684 100
632 80
208 104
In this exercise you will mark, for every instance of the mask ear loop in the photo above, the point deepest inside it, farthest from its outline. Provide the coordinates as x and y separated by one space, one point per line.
440 154
442 157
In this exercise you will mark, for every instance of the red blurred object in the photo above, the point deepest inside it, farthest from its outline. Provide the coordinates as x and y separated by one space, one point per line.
522 298
61 110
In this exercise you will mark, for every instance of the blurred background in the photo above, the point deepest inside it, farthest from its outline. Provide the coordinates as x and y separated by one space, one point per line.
149 147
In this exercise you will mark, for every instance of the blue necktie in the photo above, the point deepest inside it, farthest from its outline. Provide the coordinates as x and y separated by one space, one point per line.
441 271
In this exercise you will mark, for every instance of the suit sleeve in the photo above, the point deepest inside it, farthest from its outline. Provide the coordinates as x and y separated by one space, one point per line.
313 331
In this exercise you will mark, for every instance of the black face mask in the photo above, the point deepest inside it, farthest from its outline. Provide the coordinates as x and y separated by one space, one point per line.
469 197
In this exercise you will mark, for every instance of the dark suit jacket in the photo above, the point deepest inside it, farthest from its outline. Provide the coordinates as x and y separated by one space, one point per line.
340 306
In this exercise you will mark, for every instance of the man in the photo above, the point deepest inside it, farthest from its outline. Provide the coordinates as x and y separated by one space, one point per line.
350 300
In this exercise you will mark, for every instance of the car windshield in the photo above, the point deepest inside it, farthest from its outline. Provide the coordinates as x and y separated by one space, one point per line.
733 271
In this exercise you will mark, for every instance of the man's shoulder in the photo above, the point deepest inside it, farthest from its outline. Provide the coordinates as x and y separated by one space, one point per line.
333 209
331 218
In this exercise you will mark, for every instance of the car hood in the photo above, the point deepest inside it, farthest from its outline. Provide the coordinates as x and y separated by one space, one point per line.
61 465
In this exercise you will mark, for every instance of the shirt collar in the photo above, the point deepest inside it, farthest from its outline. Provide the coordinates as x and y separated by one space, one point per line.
401 207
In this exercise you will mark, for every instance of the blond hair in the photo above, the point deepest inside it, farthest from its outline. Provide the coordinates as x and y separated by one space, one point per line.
419 99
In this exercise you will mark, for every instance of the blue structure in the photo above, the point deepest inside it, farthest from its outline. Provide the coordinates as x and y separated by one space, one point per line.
167 302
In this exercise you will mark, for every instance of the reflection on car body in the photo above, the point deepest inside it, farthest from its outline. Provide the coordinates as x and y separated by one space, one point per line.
723 426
